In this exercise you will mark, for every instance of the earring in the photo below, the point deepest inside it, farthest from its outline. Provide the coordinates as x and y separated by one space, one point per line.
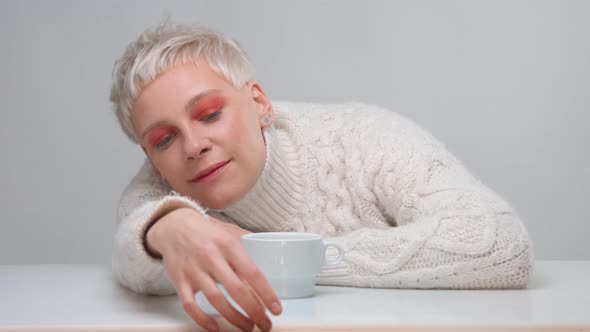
266 119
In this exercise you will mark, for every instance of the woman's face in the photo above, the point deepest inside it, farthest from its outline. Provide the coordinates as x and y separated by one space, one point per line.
202 135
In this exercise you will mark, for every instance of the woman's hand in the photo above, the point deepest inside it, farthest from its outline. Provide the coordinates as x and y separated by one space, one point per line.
197 253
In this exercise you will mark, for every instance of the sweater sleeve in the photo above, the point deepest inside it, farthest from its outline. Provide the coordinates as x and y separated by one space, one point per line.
446 229
145 199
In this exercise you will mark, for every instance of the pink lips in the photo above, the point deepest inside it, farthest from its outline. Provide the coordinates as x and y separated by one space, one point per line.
210 172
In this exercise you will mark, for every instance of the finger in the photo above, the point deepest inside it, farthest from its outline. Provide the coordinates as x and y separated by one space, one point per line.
248 271
222 305
239 290
256 296
187 296
251 290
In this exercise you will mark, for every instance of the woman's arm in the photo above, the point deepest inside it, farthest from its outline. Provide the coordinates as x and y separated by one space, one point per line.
145 199
198 252
451 230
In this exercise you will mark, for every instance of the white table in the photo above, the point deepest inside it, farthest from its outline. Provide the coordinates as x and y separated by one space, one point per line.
85 297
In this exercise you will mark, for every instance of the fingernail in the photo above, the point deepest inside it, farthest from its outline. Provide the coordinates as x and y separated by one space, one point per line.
266 325
212 327
276 308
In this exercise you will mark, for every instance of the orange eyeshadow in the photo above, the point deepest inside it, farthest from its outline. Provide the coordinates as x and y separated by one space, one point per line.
208 106
158 134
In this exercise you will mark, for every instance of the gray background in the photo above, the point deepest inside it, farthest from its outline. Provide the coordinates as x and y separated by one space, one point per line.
505 84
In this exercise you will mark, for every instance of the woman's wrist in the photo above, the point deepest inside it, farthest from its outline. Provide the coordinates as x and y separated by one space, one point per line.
148 240
159 229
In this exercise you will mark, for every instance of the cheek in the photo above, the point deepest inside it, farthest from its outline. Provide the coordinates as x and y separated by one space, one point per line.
236 133
240 137
168 166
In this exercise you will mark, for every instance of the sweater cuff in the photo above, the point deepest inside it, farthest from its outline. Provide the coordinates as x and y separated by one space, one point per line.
165 206
132 264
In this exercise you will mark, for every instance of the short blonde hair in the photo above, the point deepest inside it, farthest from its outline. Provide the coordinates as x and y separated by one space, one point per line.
158 49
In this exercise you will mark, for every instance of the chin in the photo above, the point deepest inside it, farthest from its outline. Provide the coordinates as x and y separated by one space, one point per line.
220 204
217 206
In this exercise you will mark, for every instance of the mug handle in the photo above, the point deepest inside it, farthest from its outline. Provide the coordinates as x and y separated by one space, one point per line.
328 244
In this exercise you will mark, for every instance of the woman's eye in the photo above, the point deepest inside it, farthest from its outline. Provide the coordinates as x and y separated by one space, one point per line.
163 143
211 117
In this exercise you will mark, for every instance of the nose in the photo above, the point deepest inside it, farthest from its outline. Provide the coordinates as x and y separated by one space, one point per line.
196 146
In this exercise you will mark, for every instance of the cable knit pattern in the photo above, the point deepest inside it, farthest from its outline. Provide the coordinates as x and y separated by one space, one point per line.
407 212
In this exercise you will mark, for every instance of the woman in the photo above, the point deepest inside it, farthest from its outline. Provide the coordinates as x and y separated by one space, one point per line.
222 161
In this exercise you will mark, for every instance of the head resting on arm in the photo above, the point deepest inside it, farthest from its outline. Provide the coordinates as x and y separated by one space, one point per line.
187 95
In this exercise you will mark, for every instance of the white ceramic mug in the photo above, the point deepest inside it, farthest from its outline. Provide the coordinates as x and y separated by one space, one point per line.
290 261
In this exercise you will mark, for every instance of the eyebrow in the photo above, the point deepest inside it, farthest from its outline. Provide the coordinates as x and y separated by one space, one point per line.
187 107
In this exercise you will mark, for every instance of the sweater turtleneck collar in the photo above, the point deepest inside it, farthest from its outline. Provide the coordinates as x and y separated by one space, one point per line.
274 201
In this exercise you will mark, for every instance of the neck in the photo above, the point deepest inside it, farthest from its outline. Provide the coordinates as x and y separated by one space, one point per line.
276 196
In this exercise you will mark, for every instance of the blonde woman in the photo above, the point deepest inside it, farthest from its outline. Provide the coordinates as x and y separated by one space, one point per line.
223 160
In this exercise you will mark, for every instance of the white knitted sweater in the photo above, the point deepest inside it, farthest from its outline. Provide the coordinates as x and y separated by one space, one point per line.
407 212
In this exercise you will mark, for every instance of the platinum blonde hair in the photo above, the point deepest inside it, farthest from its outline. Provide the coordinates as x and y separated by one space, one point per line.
157 50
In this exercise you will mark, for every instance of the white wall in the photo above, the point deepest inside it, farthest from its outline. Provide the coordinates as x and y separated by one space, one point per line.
506 84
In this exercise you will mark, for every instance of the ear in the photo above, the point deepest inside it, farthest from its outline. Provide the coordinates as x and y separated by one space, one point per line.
262 104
